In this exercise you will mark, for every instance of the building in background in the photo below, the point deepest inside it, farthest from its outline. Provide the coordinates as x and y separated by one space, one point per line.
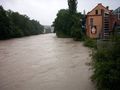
117 13
117 25
100 22
48 29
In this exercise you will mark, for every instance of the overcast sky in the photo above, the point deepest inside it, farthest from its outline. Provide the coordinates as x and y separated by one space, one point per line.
45 10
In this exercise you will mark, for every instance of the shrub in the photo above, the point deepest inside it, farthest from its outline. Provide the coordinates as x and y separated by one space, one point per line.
90 43
106 66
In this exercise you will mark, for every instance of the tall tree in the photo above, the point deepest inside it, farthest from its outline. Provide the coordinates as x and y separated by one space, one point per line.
72 5
4 24
63 23
67 22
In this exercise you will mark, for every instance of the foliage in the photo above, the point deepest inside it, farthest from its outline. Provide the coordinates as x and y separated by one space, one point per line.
63 23
106 66
72 6
4 24
12 25
92 43
68 22
76 30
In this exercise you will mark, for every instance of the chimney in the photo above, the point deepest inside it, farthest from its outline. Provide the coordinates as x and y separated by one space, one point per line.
99 3
84 12
107 7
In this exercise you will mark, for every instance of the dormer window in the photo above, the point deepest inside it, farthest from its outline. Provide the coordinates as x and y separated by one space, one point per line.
96 12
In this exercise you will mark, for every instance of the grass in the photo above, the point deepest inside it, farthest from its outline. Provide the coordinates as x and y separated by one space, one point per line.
91 43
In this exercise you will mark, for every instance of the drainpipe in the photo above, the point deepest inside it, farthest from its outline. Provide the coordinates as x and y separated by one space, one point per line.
118 13
102 24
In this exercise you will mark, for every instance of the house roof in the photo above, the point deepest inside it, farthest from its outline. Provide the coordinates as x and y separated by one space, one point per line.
116 10
97 6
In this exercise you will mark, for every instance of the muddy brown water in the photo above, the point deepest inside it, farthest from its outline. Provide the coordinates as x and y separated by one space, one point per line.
44 62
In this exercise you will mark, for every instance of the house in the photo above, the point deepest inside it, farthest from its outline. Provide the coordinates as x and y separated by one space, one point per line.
48 29
117 13
100 22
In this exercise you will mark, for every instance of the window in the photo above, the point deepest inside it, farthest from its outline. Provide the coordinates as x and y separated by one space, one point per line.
96 12
91 21
119 10
102 11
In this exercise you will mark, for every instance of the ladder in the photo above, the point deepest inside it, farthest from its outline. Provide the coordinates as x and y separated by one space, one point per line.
106 33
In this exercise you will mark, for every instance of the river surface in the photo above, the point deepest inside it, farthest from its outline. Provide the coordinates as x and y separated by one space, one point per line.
44 62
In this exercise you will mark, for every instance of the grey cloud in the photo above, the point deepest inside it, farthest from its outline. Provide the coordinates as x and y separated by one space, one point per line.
45 10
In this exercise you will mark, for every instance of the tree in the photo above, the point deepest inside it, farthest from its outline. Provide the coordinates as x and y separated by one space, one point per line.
76 30
63 23
68 22
13 24
24 24
4 24
72 6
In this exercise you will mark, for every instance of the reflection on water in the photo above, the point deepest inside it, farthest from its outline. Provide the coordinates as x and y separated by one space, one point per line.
44 62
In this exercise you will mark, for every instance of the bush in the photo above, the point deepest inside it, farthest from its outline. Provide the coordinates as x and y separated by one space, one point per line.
106 66
77 34
60 34
90 43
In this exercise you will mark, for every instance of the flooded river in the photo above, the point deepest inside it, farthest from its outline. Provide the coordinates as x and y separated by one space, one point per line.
44 62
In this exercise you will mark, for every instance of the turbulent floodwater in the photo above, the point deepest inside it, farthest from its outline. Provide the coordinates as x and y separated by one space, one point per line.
44 62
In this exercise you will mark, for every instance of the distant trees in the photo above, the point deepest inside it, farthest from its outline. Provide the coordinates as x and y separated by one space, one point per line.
68 22
12 25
